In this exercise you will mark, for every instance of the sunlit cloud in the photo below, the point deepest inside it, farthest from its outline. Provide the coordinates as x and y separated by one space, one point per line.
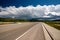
30 11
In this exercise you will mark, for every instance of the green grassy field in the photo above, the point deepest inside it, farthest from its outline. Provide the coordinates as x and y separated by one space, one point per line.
55 24
1 23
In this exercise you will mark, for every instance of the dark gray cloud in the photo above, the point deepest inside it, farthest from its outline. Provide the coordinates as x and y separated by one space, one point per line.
30 11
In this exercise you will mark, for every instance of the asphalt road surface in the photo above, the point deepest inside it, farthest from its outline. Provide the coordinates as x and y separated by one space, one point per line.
26 31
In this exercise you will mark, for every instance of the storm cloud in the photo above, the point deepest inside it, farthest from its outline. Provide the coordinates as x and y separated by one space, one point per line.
30 11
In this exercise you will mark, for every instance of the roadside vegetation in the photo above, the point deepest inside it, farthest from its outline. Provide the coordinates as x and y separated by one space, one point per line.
55 24
1 23
12 20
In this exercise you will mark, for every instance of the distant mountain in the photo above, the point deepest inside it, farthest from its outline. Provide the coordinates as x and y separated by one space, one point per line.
50 14
54 18
29 17
48 18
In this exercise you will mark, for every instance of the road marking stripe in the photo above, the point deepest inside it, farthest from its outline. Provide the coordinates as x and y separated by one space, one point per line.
48 33
19 23
23 34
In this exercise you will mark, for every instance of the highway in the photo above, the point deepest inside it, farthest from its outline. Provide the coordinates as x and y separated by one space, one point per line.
27 31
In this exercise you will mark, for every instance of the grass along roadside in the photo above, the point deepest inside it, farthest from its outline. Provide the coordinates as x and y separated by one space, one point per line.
2 23
55 24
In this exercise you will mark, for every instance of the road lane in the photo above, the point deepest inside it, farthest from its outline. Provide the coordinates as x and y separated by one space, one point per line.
35 33
12 34
8 27
28 31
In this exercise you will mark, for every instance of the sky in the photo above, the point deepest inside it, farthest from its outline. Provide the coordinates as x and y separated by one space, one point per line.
29 8
17 3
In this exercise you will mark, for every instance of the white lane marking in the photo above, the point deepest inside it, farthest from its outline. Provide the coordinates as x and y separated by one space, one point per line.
19 23
23 34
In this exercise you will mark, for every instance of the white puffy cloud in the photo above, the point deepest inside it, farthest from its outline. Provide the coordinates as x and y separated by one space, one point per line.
30 11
